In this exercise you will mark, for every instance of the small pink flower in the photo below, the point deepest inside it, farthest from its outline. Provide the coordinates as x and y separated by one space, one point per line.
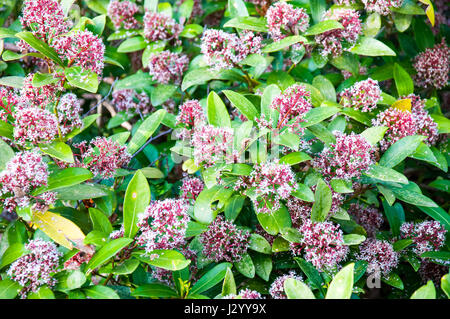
82 48
282 16
158 26
322 245
122 14
191 114
380 255
335 41
292 104
427 235
346 159
363 95
276 290
130 101
367 216
212 145
38 96
103 157
399 123
224 241
245 294
433 66
382 7
37 268
69 110
163 225
167 66
34 125
191 188
224 50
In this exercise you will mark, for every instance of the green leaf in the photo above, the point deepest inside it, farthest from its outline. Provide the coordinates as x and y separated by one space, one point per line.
295 158
427 291
6 154
304 193
318 114
263 265
374 134
402 21
247 23
341 186
438 255
106 252
437 213
401 149
162 93
40 46
82 78
67 177
154 290
81 191
424 153
202 207
274 222
393 280
245 266
445 285
323 26
99 221
295 289
137 198
166 259
132 44
136 81
442 122
237 8
217 111
145 130
75 279
100 292
395 216
322 202
283 43
386 174
372 25
260 244
43 293
229 286
402 244
11 254
311 272
356 115
403 81
7 33
58 150
41 79
87 121
353 239
342 284
412 197
371 47
9 289
242 104
210 279
325 87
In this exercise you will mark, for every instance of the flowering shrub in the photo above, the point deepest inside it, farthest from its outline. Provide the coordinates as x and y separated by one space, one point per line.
224 149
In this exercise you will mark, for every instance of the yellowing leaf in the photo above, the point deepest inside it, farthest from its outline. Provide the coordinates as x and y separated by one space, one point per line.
58 228
403 105
189 166
429 11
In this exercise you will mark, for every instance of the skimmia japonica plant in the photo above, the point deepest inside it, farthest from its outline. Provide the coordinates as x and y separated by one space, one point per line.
224 149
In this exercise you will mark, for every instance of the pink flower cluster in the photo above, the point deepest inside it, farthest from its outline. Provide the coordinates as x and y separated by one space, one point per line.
35 125
276 290
399 123
367 216
380 255
45 19
167 66
38 96
78 259
83 49
292 105
433 66
122 13
224 50
427 235
299 211
163 225
334 41
363 95
129 100
25 172
402 123
158 26
36 268
431 271
212 145
268 183
8 99
191 188
191 114
283 16
102 157
245 294
322 245
346 159
69 110
382 7
224 241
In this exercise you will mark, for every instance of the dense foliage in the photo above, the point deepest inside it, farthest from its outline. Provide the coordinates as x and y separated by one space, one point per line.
224 149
